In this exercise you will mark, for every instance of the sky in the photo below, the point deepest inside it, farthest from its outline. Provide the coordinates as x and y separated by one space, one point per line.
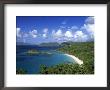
44 29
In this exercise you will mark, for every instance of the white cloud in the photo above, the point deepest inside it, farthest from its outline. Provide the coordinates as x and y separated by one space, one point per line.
34 36
45 30
80 36
18 32
68 34
33 33
44 35
89 26
72 33
89 20
78 33
58 34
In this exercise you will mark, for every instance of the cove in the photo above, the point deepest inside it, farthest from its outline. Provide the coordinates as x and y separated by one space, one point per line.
32 63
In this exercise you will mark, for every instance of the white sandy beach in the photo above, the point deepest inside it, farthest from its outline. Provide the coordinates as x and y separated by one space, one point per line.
77 60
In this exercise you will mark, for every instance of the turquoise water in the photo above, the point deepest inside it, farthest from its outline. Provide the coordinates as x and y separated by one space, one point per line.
32 63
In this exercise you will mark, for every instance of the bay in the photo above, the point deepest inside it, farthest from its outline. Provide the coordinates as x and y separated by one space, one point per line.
32 63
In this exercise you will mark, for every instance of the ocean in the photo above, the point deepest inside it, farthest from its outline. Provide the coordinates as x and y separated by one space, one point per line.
32 63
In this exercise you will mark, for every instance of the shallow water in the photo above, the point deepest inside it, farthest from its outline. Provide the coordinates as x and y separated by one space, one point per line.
32 63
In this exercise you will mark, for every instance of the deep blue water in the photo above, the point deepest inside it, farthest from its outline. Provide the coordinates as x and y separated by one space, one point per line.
32 63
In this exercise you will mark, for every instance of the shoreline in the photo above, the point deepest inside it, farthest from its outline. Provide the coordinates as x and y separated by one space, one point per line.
77 60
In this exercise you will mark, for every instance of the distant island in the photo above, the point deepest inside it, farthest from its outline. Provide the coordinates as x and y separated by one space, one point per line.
36 52
82 50
55 44
40 44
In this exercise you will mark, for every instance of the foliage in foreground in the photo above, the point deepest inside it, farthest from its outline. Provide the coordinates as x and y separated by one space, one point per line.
21 71
67 69
84 51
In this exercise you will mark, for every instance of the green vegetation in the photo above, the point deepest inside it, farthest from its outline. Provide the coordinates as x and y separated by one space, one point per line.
32 52
65 69
46 53
82 50
35 52
21 71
